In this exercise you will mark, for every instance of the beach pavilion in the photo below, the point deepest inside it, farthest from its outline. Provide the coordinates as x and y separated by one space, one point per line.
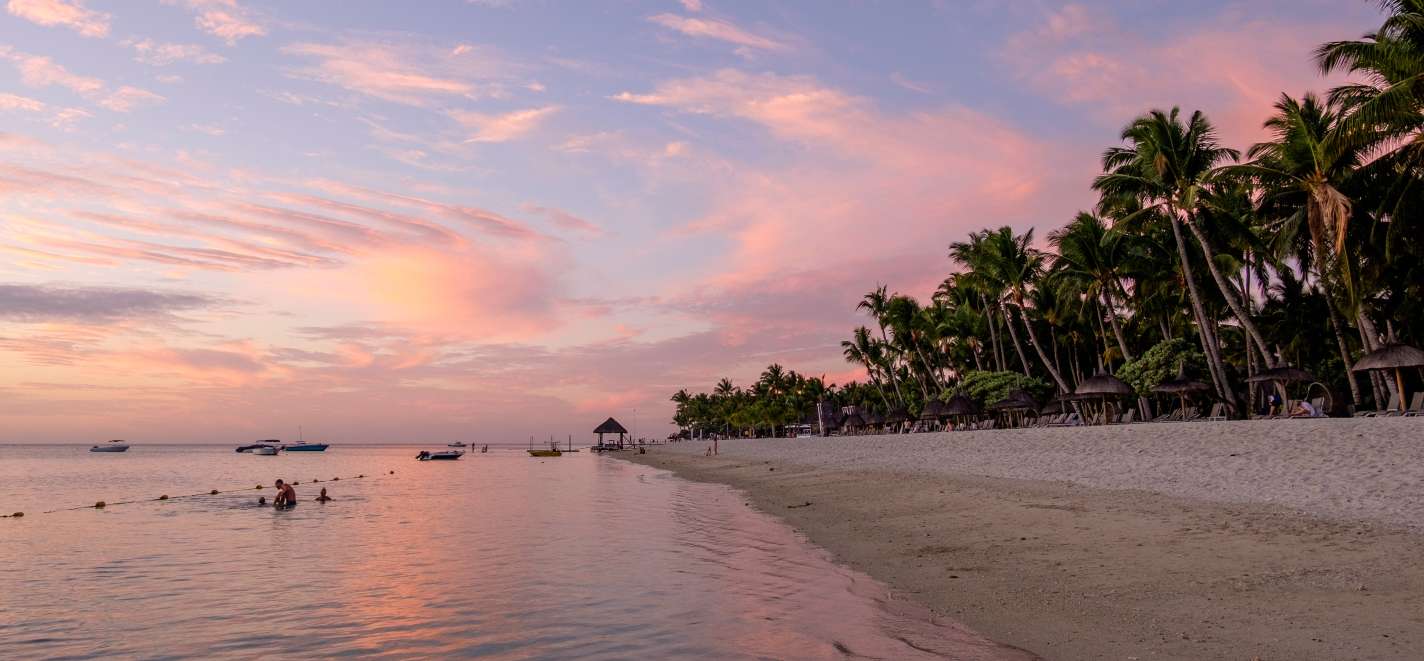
1103 386
610 426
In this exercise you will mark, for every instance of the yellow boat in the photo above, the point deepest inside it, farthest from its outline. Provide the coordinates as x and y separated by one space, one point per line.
545 453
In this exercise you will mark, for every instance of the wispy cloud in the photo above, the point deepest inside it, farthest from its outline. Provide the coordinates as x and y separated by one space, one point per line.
72 15
718 30
127 98
161 54
502 127
55 302
403 72
16 102
563 219
225 19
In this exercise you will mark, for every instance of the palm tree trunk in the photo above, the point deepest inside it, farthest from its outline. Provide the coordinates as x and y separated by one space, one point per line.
1370 335
1018 345
1117 327
1337 327
978 364
1038 348
1208 338
1227 291
993 334
893 381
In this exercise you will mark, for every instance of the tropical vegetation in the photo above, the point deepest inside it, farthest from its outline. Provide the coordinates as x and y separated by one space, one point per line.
1306 250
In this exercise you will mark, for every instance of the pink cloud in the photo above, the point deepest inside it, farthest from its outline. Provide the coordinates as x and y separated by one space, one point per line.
1232 66
72 15
127 98
564 219
503 127
225 19
41 71
406 72
160 54
718 30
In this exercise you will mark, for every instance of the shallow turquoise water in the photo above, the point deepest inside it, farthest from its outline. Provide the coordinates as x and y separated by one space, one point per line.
497 556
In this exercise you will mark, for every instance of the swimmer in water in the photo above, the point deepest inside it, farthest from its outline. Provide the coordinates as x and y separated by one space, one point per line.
286 495
323 497
261 500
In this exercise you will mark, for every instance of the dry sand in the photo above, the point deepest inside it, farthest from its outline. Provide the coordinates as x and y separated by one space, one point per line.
1295 539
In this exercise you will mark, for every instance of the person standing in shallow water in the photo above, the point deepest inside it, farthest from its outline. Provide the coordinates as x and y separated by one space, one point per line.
323 497
286 495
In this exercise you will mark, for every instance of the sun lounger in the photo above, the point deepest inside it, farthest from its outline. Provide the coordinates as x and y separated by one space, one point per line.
1391 409
1169 417
1073 420
1190 415
1218 412
1416 406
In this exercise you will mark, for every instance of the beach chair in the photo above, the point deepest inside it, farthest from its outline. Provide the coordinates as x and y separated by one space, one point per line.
1218 412
1128 417
1072 420
1191 414
1391 409
1416 406
1169 417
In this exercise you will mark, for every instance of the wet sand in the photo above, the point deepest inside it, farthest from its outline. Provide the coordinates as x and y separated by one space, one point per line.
1035 539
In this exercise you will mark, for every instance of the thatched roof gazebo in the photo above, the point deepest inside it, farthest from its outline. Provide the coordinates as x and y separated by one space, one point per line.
932 411
610 426
1017 400
1181 386
960 405
1103 386
1392 357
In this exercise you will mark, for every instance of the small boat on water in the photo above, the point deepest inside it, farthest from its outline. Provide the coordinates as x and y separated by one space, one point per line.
456 444
111 446
302 446
446 455
545 453
268 443
266 450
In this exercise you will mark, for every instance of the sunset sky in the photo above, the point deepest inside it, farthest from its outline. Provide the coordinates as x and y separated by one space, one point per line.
484 219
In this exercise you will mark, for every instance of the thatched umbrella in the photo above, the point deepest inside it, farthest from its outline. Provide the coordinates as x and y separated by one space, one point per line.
1058 404
1283 374
1015 404
897 418
1395 357
853 421
1103 386
875 420
1181 386
960 405
933 410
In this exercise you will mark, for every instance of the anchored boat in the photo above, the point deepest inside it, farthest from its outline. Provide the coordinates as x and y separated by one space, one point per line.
301 446
266 450
447 455
111 446
268 443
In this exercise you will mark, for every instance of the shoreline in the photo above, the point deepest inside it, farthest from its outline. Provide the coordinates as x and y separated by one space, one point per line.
1071 571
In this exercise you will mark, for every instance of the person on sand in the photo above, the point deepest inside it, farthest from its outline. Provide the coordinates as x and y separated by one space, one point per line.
286 495
1273 405
1304 409
323 497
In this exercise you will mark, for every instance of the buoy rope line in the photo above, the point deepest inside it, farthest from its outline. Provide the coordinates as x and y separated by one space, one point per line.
103 505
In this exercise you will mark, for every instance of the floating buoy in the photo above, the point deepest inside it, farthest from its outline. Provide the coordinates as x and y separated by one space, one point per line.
259 487
295 484
393 472
214 492
163 497
315 480
18 514
99 505
362 475
335 479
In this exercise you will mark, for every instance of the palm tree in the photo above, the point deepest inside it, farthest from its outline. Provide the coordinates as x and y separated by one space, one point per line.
863 350
1302 173
876 304
977 256
1016 265
1164 167
1091 257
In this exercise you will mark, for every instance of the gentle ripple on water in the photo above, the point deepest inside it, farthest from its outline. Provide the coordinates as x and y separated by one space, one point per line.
498 555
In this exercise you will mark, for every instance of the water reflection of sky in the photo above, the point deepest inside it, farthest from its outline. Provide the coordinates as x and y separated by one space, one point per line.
497 555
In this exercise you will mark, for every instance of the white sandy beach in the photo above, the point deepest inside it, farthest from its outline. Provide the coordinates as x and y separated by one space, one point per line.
1368 469
1292 539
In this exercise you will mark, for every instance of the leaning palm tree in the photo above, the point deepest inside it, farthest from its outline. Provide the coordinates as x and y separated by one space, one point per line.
1302 173
862 350
1017 266
1163 168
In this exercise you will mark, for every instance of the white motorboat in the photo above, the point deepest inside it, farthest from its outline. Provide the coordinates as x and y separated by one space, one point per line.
266 450
111 446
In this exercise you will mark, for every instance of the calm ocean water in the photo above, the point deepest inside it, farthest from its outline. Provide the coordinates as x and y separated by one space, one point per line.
498 556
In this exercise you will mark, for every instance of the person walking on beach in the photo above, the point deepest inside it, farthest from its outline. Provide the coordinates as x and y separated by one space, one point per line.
286 495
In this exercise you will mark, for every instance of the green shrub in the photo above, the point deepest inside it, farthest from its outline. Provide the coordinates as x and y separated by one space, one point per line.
1160 363
989 387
